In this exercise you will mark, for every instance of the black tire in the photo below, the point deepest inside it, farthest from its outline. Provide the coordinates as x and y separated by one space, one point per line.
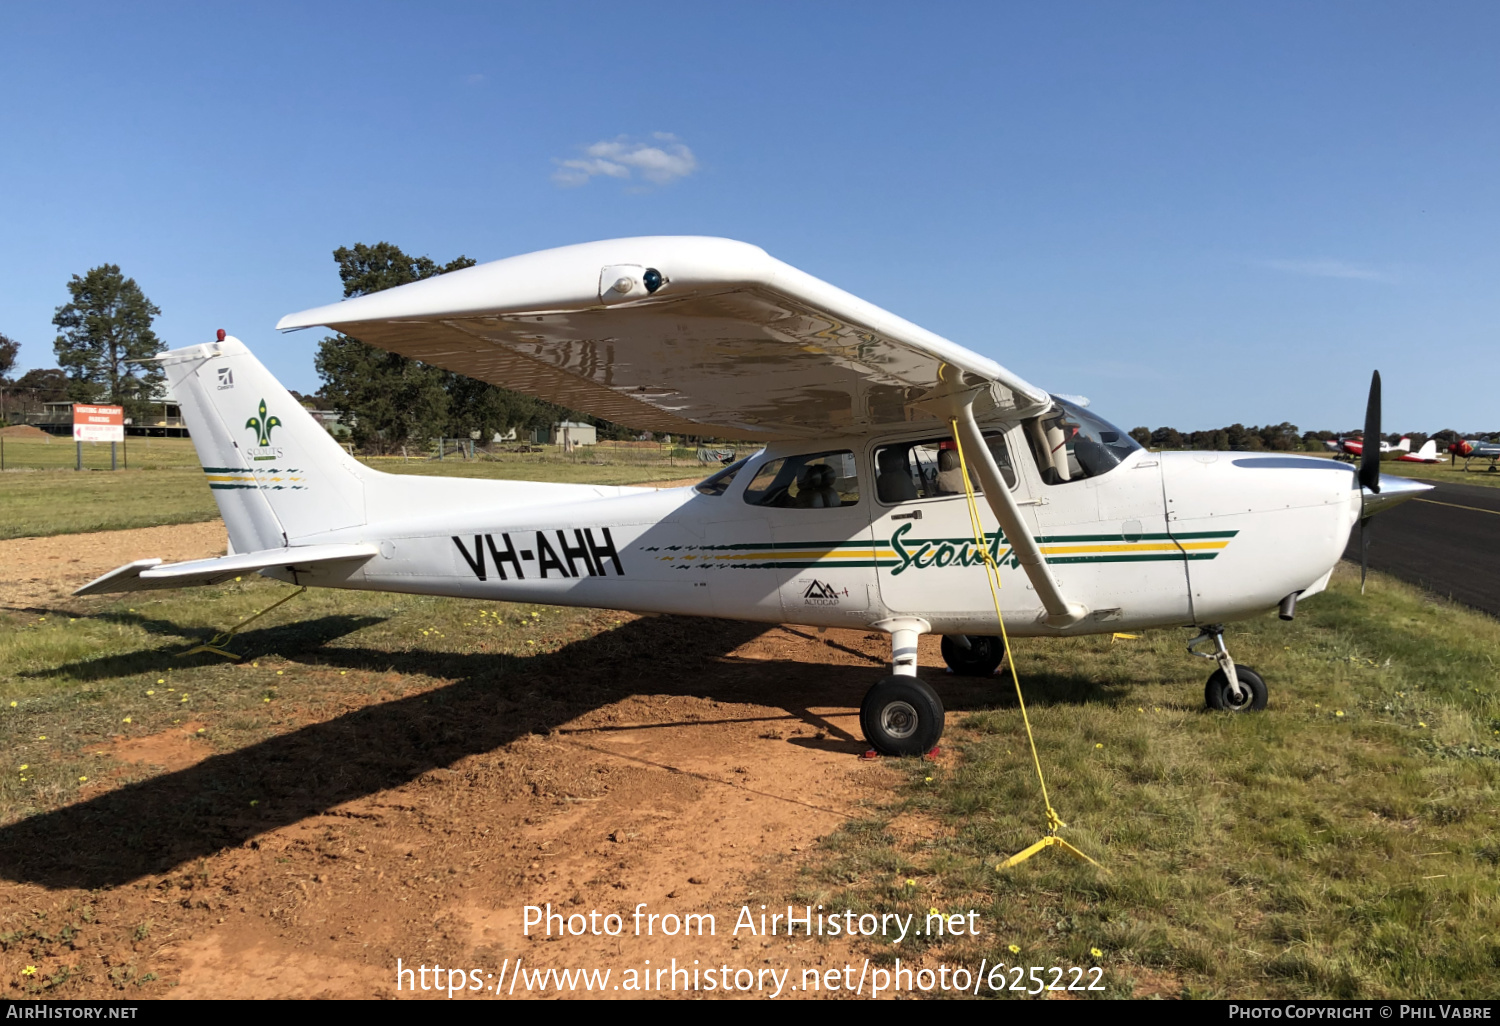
983 657
902 716
1253 691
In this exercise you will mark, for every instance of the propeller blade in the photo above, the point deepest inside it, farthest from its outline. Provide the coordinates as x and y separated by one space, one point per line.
1364 551
1369 459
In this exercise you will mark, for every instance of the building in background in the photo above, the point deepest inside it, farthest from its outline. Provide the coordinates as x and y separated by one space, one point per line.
163 420
569 432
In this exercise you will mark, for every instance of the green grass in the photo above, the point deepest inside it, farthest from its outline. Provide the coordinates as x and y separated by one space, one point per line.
47 502
1444 473
170 489
61 454
1342 844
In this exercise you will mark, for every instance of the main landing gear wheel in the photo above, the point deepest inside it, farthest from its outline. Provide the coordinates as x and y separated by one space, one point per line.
902 716
984 654
1252 691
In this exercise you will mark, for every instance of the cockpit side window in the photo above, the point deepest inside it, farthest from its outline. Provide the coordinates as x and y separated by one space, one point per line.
929 469
717 483
820 480
1071 444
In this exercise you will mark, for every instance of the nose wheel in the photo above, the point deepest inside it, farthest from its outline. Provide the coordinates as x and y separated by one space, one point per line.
902 715
1230 688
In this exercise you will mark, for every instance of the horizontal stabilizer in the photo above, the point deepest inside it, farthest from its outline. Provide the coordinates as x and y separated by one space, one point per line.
153 574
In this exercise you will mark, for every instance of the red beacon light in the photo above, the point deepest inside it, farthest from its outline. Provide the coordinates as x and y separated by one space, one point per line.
221 334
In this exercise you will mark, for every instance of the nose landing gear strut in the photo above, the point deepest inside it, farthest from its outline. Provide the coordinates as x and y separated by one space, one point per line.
901 714
1230 688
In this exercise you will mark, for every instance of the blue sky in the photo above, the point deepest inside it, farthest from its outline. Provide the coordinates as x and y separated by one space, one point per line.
1192 213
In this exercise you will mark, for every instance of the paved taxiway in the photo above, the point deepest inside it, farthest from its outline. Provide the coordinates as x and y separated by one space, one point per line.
1447 541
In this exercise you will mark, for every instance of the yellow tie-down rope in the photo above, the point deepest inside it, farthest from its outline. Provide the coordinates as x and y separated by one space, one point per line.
215 645
992 574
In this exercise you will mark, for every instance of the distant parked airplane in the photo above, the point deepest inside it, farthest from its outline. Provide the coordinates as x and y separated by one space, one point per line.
1472 449
1350 449
1427 454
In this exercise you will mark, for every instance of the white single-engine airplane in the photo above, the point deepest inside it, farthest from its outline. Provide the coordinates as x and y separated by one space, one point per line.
854 515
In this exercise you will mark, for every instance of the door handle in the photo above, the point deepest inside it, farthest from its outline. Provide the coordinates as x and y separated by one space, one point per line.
915 514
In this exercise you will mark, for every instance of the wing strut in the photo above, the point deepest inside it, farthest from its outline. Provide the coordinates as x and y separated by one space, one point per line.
1060 612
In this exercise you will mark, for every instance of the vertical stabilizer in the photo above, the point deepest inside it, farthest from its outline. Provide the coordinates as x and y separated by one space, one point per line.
276 474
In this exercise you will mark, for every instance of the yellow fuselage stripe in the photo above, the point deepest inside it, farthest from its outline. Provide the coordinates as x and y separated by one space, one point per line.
1065 550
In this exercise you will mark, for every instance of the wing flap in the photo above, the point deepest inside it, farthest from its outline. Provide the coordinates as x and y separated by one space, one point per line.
730 341
154 575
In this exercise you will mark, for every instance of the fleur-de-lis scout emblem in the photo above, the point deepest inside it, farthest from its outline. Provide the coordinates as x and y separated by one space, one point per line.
262 425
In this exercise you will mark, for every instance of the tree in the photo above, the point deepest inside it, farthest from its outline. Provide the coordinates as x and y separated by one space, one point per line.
390 400
9 349
386 398
105 334
43 385
1141 435
1166 438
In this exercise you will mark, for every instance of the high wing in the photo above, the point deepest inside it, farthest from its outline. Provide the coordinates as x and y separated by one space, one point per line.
677 334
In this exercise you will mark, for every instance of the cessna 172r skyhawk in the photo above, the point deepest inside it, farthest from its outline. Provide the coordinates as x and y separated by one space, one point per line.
854 515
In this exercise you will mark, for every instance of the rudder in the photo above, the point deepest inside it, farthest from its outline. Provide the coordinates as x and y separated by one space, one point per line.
276 474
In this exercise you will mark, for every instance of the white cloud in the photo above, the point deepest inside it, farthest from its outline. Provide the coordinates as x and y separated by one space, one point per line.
1327 268
660 161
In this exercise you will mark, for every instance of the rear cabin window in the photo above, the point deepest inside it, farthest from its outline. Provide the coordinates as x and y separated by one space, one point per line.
820 480
1071 444
930 469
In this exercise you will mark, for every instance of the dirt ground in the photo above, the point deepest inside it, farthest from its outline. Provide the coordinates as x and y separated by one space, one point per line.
38 571
702 785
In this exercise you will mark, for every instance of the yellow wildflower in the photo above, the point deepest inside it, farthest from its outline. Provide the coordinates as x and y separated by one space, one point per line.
1015 949
1096 952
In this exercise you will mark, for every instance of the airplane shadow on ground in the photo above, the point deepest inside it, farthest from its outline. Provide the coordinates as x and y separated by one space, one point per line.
283 638
157 825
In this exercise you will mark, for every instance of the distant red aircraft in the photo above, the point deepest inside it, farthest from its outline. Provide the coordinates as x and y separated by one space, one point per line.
1350 449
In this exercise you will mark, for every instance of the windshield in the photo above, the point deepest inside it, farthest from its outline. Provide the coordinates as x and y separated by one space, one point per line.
715 484
1071 444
